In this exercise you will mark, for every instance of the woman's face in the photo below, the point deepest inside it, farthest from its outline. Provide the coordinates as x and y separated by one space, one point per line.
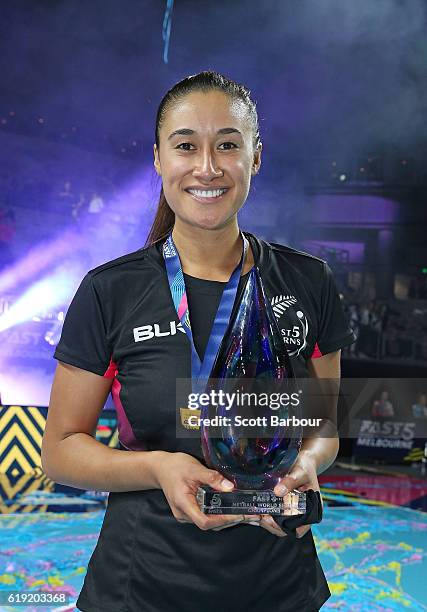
215 152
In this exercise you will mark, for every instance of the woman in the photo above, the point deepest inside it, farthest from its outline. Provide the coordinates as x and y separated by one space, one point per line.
156 550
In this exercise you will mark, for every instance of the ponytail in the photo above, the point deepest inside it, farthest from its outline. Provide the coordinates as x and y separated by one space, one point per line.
163 221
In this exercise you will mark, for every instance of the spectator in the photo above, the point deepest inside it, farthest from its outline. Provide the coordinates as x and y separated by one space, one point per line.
419 409
369 330
393 345
354 320
382 407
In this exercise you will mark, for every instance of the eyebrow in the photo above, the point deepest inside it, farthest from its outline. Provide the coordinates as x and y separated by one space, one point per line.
188 132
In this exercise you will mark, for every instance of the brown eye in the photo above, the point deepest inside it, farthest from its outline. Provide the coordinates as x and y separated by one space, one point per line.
228 143
182 144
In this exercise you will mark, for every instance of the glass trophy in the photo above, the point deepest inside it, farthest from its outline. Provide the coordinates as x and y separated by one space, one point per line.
252 359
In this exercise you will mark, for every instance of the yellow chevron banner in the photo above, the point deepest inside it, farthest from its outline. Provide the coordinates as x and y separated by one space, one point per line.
21 432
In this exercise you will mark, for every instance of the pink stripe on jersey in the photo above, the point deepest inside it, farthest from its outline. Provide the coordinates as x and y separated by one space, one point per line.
126 435
316 352
111 371
183 305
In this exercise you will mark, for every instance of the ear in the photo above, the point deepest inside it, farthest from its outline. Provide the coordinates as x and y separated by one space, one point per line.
157 160
256 164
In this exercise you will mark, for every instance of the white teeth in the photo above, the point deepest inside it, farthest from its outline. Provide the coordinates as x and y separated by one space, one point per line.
207 194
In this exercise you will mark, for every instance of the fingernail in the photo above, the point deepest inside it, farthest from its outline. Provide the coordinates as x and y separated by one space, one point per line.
281 490
256 523
226 484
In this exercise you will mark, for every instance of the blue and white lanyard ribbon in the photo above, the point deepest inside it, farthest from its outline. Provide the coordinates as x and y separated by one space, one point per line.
200 370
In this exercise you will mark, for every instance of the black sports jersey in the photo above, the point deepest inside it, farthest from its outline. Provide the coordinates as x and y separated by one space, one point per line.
122 323
203 298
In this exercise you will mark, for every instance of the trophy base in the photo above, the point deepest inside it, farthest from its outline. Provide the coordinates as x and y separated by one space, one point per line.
250 502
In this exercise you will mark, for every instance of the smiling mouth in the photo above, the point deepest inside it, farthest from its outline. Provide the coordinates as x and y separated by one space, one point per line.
207 194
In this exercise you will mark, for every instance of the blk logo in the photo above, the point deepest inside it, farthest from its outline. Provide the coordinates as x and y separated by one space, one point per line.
146 332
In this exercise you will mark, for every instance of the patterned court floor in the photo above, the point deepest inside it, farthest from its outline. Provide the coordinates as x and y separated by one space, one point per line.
372 542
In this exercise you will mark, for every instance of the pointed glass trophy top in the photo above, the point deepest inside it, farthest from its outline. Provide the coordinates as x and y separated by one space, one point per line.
252 359
253 346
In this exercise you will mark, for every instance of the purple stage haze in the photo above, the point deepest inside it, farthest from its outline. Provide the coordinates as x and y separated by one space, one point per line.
336 83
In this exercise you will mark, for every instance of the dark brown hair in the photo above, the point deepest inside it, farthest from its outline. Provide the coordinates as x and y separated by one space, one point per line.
203 81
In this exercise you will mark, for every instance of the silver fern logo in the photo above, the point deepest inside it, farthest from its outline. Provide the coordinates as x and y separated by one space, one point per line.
281 303
295 336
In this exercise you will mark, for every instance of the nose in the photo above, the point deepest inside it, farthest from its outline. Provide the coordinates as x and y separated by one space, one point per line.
206 167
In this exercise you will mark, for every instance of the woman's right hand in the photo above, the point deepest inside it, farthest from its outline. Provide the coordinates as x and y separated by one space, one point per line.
179 476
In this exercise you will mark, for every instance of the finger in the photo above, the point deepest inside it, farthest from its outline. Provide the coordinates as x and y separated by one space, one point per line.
214 479
296 478
190 509
205 521
302 530
248 519
253 519
232 524
228 522
270 525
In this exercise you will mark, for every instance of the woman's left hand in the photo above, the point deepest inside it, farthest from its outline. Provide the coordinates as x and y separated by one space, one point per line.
302 476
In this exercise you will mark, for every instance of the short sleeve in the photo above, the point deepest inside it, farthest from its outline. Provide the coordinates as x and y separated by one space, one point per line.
83 340
334 329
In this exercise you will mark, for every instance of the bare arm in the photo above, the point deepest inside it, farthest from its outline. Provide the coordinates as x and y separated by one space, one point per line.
72 456
323 450
317 453
70 453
